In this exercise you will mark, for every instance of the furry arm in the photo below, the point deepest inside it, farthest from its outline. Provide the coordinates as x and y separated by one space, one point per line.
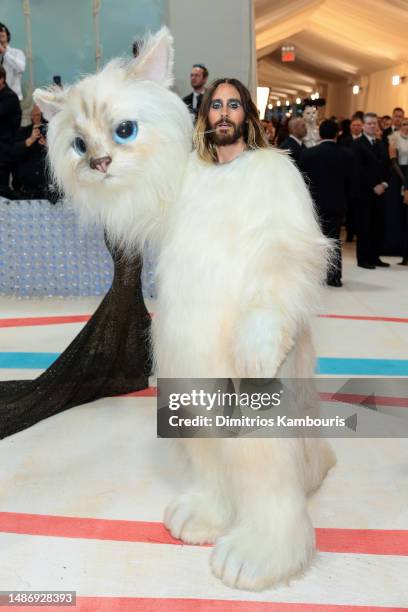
287 258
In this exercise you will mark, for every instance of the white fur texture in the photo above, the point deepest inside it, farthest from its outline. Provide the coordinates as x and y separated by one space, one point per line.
145 174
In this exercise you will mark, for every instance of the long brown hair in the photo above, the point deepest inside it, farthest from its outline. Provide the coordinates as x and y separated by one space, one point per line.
254 134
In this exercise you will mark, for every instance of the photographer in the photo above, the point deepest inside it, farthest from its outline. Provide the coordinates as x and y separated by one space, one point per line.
29 154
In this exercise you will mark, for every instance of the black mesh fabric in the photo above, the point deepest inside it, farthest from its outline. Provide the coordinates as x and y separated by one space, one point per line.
110 356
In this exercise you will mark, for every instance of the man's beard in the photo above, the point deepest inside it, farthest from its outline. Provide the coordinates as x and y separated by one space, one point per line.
229 138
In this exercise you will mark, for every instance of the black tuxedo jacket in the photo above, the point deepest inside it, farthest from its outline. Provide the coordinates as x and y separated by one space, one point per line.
372 164
330 170
294 147
189 101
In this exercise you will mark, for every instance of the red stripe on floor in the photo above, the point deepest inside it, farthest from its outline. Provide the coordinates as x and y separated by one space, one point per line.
366 541
149 392
374 400
164 604
132 604
29 321
58 320
364 318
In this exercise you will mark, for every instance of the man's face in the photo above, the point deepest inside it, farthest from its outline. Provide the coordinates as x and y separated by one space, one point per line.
197 78
300 129
226 115
356 127
3 38
397 117
36 115
370 126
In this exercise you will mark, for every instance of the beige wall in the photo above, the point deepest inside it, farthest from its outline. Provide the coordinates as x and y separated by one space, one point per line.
377 94
217 33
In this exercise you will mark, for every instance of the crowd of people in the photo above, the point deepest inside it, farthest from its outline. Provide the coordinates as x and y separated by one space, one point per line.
356 169
358 176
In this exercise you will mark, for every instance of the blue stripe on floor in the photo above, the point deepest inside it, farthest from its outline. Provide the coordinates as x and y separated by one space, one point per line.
362 367
29 361
325 365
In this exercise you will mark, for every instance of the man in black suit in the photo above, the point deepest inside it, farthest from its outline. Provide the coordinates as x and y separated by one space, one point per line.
397 117
356 131
10 118
294 142
372 167
331 173
198 80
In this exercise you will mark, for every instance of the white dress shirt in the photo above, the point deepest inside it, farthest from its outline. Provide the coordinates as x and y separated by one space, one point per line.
14 63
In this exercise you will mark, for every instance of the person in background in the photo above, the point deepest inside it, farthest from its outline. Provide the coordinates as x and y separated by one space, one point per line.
398 152
344 133
198 80
385 122
331 172
10 118
396 120
358 115
12 60
29 154
372 171
356 130
294 142
270 131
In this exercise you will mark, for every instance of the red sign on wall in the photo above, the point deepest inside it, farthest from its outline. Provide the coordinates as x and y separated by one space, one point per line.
288 54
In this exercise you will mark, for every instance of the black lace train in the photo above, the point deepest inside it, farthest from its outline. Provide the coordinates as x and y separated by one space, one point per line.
110 356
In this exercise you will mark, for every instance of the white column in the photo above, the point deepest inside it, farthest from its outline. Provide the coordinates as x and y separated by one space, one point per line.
217 33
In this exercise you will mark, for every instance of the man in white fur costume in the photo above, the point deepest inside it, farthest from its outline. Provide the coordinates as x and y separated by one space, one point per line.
239 274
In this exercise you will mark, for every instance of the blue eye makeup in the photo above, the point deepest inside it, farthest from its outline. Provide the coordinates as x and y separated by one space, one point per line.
233 104
125 132
79 146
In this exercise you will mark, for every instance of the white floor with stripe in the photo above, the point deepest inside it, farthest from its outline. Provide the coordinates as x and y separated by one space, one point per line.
103 461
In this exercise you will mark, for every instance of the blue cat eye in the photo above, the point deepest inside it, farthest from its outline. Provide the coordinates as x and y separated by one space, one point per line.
79 146
125 132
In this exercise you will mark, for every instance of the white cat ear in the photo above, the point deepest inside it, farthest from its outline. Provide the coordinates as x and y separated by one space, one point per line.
155 59
50 101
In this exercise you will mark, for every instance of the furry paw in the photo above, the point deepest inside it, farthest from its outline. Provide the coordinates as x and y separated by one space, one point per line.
246 559
195 519
261 346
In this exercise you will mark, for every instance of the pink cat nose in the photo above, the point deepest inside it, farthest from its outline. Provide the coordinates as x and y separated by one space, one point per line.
100 163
